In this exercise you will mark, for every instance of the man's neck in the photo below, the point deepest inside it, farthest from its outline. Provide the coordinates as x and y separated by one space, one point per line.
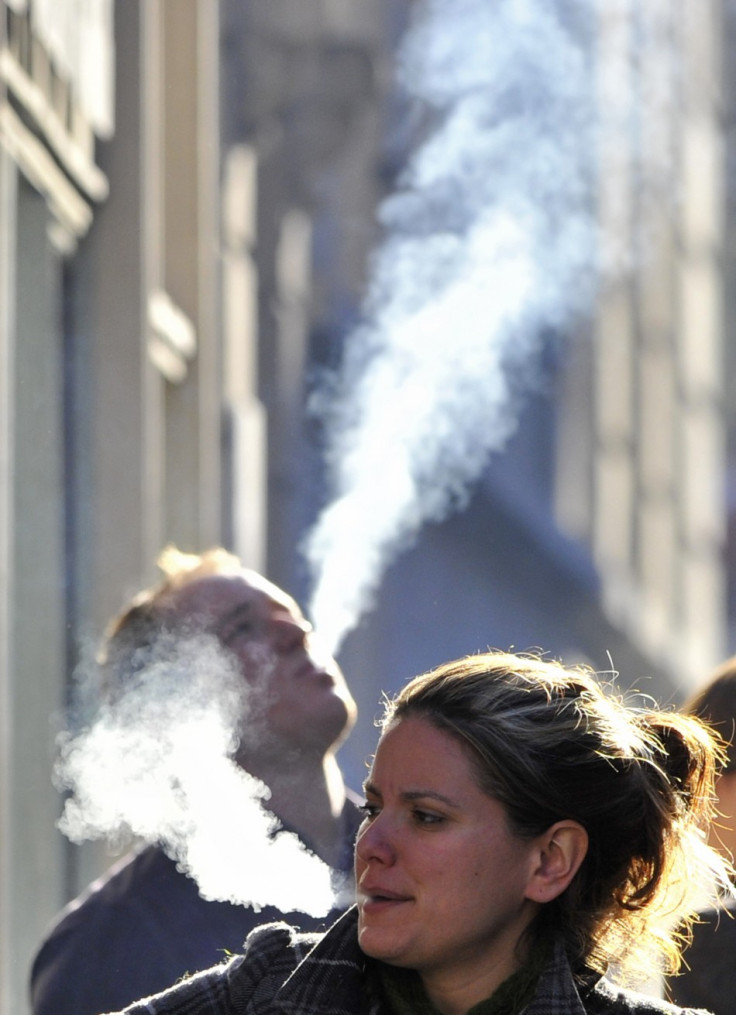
308 795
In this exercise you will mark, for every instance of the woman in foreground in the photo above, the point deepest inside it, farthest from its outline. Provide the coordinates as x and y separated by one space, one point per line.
524 834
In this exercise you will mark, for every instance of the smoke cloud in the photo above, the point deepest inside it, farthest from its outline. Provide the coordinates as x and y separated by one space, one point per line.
490 242
156 763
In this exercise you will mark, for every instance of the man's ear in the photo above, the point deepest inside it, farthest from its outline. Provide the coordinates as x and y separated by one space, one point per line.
561 850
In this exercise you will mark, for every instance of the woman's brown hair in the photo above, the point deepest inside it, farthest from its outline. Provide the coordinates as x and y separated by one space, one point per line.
550 743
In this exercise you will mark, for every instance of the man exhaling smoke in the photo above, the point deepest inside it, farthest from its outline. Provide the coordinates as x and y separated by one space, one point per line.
210 630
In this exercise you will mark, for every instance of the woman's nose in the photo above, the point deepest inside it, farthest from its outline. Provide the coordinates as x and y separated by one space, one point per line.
375 842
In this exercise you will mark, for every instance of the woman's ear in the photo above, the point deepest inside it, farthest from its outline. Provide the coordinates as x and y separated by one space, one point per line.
560 852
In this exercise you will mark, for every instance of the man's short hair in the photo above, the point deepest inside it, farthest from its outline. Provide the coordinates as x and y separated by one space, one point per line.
132 634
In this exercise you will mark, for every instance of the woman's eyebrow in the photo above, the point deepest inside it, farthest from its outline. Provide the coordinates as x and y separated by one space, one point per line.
424 794
411 795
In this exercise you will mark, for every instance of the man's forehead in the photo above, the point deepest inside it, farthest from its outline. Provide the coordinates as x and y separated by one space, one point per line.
211 593
261 584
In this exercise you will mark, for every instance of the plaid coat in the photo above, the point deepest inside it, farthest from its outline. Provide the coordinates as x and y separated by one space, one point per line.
286 973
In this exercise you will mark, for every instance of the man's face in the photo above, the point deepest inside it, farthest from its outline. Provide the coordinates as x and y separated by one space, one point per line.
300 695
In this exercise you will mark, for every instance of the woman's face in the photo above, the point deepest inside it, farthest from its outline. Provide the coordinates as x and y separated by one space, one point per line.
441 880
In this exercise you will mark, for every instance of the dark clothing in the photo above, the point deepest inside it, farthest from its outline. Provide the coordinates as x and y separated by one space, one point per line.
711 979
286 972
140 928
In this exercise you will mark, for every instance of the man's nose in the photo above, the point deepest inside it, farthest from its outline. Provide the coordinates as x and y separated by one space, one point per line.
289 632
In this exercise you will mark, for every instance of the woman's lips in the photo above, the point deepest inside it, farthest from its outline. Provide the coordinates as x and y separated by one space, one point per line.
374 899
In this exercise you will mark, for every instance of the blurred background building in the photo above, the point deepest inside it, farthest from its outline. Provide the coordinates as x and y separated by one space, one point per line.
187 209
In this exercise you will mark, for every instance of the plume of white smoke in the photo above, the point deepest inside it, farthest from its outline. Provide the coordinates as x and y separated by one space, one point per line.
488 243
157 763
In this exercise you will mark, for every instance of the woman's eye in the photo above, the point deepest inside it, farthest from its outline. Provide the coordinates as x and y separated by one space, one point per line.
368 810
427 818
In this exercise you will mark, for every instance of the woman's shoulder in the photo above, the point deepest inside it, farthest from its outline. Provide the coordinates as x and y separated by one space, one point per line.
274 949
272 938
608 999
270 955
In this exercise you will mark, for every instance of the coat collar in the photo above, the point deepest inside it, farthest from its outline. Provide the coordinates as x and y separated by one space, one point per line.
556 991
331 979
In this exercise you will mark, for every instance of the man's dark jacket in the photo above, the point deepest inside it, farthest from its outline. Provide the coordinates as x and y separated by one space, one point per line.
140 928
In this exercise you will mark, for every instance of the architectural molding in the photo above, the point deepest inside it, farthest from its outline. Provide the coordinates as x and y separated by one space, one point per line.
72 212
73 156
173 338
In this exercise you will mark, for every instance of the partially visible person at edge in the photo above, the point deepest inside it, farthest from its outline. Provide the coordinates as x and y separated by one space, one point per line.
709 977
143 925
524 834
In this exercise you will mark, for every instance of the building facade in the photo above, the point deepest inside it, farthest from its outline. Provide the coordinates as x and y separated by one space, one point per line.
111 374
